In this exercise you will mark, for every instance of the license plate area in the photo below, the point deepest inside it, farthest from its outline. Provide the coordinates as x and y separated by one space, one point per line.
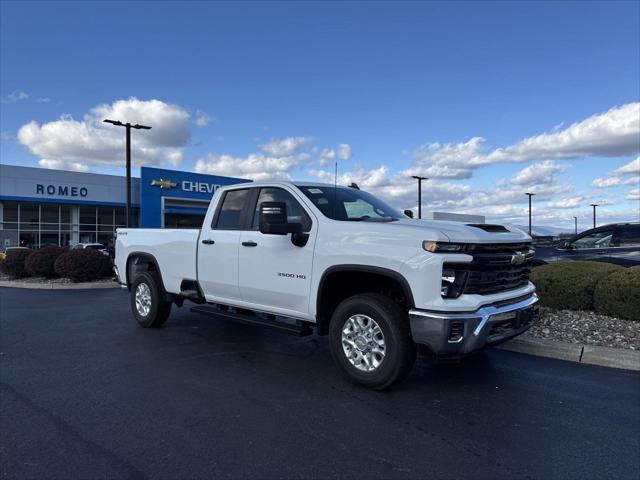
508 324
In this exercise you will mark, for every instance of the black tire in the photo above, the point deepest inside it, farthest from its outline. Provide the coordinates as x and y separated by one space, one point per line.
400 350
159 309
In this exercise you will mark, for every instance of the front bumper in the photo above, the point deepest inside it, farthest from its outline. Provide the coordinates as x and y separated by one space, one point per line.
462 333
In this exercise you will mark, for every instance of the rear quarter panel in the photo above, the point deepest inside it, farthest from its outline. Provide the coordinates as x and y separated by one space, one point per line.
173 249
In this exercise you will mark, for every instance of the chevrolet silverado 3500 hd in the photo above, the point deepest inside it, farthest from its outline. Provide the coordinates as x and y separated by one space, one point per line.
303 256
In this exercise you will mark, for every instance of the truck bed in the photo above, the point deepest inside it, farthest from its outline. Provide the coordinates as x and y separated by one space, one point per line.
173 249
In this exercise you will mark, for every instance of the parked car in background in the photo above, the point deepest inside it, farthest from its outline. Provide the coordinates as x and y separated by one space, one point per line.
93 246
617 243
8 251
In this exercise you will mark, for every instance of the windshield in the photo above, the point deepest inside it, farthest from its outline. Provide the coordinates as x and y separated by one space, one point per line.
349 204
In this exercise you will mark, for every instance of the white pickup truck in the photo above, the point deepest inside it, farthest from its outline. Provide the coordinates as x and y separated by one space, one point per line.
301 257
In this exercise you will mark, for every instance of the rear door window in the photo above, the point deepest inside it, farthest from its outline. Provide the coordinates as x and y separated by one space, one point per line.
231 213
629 236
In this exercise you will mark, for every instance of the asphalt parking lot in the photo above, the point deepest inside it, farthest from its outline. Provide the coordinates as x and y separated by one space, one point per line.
86 393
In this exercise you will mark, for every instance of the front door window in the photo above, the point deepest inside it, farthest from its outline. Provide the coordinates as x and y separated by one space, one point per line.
594 240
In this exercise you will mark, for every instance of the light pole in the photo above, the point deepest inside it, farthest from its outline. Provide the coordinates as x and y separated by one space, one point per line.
594 205
128 127
530 195
575 221
419 178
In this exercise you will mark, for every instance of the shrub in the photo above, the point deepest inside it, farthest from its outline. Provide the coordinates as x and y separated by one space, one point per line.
13 265
570 285
83 265
40 262
618 294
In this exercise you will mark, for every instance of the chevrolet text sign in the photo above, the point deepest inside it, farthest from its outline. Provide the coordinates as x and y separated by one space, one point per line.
200 187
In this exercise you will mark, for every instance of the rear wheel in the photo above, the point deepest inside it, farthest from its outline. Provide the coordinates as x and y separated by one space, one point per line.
371 341
147 304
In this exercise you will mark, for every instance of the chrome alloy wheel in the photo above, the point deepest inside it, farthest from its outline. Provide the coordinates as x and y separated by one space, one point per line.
363 343
143 299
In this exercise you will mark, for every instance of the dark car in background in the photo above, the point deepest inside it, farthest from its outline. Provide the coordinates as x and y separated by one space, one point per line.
8 251
617 243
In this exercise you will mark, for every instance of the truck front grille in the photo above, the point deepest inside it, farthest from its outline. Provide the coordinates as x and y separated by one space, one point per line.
496 268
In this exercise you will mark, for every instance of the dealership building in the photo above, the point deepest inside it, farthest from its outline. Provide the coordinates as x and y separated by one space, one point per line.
54 207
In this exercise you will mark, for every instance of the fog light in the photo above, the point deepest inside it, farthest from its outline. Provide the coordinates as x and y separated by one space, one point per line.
452 282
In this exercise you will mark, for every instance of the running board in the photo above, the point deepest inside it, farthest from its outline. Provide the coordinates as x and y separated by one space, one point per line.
251 319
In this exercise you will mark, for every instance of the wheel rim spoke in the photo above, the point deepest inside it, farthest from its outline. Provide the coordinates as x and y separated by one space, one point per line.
143 299
363 342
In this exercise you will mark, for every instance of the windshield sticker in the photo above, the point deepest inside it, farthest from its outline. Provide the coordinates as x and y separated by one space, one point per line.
315 191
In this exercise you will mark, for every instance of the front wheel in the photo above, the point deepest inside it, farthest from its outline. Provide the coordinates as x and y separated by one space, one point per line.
371 341
147 304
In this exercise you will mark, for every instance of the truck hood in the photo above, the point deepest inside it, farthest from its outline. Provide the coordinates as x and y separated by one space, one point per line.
464 233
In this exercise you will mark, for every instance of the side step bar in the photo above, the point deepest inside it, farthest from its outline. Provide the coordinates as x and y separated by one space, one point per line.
252 319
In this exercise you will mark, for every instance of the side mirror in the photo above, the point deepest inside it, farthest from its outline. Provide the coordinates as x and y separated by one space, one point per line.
273 219
409 213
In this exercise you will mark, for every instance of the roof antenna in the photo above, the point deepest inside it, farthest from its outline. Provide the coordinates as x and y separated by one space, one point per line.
335 189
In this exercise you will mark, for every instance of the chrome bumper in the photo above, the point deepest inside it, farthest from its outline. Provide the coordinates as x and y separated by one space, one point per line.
462 333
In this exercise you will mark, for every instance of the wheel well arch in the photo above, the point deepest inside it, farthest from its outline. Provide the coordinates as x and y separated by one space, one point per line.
342 281
141 262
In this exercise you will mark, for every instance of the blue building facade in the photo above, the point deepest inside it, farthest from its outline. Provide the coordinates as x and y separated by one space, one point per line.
173 199
55 207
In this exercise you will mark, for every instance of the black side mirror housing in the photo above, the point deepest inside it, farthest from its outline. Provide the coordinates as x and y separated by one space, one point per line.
273 219
409 213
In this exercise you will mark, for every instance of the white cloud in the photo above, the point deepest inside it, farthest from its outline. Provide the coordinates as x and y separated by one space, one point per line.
202 118
451 160
615 176
615 133
634 180
329 155
605 182
631 168
91 142
43 100
275 161
634 194
540 173
566 202
344 151
63 165
285 147
15 96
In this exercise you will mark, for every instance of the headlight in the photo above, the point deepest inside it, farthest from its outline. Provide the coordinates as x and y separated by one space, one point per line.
443 247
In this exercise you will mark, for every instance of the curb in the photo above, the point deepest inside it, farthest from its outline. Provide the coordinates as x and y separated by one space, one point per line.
57 286
572 352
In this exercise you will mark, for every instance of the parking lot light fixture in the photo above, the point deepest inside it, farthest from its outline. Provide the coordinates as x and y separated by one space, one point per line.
530 195
128 128
594 205
420 179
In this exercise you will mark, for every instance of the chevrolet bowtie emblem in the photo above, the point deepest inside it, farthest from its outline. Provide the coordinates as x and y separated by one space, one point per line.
162 183
518 258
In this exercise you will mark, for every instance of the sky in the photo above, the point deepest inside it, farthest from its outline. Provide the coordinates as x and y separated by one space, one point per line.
488 99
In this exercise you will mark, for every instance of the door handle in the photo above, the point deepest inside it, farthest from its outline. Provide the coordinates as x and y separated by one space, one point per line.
208 241
250 243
